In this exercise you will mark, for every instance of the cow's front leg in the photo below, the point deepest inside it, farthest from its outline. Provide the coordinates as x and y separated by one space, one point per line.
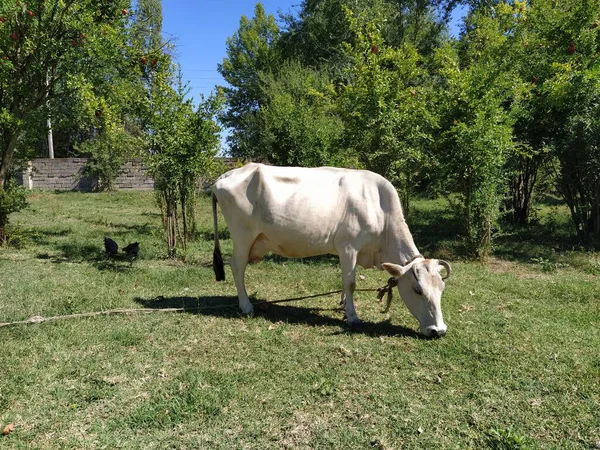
348 263
239 261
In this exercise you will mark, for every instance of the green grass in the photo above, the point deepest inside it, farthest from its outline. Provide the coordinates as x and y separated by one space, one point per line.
519 368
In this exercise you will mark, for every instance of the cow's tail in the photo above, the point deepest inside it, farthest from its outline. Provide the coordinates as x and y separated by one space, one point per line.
217 257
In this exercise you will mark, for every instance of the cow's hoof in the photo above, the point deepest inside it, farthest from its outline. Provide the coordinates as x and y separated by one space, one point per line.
354 323
247 311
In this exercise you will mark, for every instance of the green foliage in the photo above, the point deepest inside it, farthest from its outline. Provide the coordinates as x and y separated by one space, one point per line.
183 145
107 153
317 35
297 120
506 439
49 48
558 56
250 51
12 199
386 106
68 60
476 136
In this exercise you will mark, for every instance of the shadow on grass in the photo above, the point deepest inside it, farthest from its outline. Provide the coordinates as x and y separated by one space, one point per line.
548 240
44 236
120 228
77 253
436 232
227 307
208 235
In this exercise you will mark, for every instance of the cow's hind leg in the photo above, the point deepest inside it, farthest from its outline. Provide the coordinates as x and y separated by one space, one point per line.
239 261
348 263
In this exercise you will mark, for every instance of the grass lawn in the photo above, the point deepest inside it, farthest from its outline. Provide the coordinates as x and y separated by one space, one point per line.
519 368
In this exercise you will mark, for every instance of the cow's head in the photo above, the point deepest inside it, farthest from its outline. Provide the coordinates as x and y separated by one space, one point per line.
420 285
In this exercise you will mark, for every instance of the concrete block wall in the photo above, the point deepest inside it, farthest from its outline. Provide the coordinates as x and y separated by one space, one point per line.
66 174
134 176
61 174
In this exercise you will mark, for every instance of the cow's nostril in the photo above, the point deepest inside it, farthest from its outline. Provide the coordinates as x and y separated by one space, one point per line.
435 333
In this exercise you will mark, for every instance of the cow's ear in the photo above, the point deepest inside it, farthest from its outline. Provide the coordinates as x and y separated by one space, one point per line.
394 269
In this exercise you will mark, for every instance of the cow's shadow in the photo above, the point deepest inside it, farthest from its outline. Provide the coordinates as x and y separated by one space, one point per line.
227 307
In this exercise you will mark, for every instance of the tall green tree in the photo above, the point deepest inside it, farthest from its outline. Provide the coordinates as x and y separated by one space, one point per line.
560 44
183 143
298 123
49 49
250 52
385 106
316 35
477 90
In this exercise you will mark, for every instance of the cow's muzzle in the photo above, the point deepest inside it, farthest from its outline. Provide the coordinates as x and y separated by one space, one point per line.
435 332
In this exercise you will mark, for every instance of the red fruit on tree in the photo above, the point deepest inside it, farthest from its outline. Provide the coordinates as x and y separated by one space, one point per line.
374 49
30 13
124 11
2 19
82 36
98 113
74 42
571 49
154 61
144 60
14 36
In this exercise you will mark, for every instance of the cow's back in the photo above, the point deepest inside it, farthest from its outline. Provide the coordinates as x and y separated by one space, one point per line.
303 211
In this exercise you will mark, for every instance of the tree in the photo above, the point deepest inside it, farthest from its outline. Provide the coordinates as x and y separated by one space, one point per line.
250 51
385 106
49 49
565 108
183 145
297 122
477 91
316 35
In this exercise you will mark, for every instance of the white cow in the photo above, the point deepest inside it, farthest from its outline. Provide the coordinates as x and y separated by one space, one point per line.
300 212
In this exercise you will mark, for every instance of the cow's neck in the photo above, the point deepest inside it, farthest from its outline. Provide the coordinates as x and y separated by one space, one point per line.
400 247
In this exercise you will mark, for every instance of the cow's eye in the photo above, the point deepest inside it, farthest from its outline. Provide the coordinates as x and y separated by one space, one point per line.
418 290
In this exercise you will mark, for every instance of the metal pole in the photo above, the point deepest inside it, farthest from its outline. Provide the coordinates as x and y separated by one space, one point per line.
49 123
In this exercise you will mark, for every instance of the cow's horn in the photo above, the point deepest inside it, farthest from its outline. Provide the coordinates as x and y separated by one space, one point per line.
446 266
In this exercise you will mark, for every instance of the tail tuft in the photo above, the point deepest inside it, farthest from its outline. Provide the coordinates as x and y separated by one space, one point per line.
218 265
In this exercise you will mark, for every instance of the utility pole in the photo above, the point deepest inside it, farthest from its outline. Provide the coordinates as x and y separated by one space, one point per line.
49 123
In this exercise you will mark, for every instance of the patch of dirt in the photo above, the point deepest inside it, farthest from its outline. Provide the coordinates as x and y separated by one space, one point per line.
521 271
299 432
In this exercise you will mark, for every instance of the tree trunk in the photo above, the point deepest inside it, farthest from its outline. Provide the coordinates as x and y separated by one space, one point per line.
595 219
522 191
10 138
184 218
171 222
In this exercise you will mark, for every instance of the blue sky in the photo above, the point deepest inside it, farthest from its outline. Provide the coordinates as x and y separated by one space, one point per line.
200 29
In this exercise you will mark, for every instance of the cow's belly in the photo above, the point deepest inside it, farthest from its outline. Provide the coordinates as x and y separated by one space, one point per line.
290 245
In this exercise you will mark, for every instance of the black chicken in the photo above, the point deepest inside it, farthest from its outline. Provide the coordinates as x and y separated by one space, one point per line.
132 249
110 247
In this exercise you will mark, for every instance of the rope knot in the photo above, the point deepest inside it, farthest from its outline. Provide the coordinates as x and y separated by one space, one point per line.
387 289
